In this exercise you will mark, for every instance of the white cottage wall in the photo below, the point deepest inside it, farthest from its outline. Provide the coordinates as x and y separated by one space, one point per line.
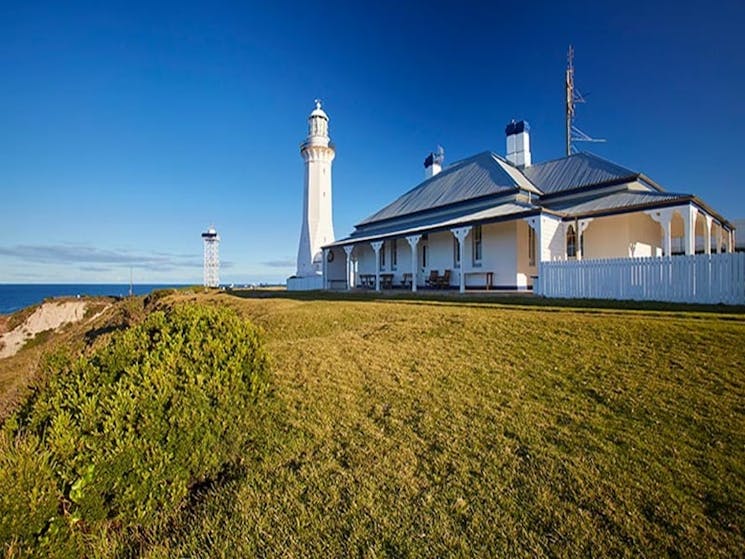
645 236
336 269
365 256
441 255
404 258
387 249
622 236
499 253
525 270
551 246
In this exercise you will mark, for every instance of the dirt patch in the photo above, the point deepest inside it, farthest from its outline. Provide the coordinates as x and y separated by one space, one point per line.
48 316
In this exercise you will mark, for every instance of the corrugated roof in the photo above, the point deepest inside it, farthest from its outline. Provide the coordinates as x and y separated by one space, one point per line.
576 171
440 222
481 175
614 201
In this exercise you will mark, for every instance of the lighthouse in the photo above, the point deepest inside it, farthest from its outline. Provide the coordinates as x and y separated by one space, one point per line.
317 228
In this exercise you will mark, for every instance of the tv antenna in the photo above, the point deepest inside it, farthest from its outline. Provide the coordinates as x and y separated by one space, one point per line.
573 96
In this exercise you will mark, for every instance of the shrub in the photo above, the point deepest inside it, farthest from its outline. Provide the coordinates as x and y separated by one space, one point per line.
126 433
157 295
29 495
38 339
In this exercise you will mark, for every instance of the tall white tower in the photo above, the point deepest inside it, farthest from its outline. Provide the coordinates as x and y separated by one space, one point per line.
211 257
318 228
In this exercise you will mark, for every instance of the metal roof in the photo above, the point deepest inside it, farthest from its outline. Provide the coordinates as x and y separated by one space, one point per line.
509 210
482 175
576 171
486 188
614 201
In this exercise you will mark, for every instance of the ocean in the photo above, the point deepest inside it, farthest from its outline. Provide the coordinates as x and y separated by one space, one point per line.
17 296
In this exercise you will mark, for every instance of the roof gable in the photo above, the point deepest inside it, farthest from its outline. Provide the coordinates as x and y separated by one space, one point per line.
576 171
483 174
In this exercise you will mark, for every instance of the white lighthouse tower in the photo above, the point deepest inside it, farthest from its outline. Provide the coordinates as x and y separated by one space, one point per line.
318 228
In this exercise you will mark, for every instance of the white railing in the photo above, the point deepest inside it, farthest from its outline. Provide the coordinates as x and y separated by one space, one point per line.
703 278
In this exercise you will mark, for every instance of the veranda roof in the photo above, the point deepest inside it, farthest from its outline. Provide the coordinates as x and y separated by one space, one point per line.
625 201
501 212
611 203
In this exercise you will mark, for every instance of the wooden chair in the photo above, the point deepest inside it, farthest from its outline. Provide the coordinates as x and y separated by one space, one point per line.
367 281
443 281
433 279
406 280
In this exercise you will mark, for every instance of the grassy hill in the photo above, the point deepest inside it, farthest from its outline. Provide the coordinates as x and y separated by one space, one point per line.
422 428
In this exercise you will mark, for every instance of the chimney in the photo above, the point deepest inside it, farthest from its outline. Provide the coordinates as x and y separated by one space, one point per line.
433 163
518 143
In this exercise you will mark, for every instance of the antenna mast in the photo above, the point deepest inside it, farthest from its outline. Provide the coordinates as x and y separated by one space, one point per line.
569 82
573 134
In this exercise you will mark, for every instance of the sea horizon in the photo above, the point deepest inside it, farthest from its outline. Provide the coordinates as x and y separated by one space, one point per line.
16 296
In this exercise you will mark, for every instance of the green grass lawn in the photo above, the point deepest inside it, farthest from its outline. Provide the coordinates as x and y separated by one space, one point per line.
404 428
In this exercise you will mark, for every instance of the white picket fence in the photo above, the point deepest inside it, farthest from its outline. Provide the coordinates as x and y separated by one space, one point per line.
703 278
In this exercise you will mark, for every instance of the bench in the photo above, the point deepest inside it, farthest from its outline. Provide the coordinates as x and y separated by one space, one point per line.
488 278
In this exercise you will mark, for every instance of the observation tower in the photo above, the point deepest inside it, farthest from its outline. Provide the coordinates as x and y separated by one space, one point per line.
211 257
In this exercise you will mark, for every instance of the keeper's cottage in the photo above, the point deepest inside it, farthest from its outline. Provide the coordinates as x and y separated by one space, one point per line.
488 221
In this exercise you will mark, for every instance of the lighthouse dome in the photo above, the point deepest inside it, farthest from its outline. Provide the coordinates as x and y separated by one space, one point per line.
318 111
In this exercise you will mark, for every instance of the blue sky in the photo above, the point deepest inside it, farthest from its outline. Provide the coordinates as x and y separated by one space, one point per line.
126 129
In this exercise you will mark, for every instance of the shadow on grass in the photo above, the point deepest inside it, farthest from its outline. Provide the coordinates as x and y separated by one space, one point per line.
92 335
491 299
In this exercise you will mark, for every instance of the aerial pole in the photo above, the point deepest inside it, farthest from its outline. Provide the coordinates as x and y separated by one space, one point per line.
569 84
573 96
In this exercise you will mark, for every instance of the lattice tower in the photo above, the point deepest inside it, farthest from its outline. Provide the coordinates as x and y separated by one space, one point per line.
211 257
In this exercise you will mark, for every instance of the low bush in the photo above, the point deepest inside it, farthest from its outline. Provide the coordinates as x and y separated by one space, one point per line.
116 441
38 339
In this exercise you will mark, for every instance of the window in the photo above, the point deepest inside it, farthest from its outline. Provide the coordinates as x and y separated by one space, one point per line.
394 254
477 245
531 246
456 253
382 256
424 256
571 242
